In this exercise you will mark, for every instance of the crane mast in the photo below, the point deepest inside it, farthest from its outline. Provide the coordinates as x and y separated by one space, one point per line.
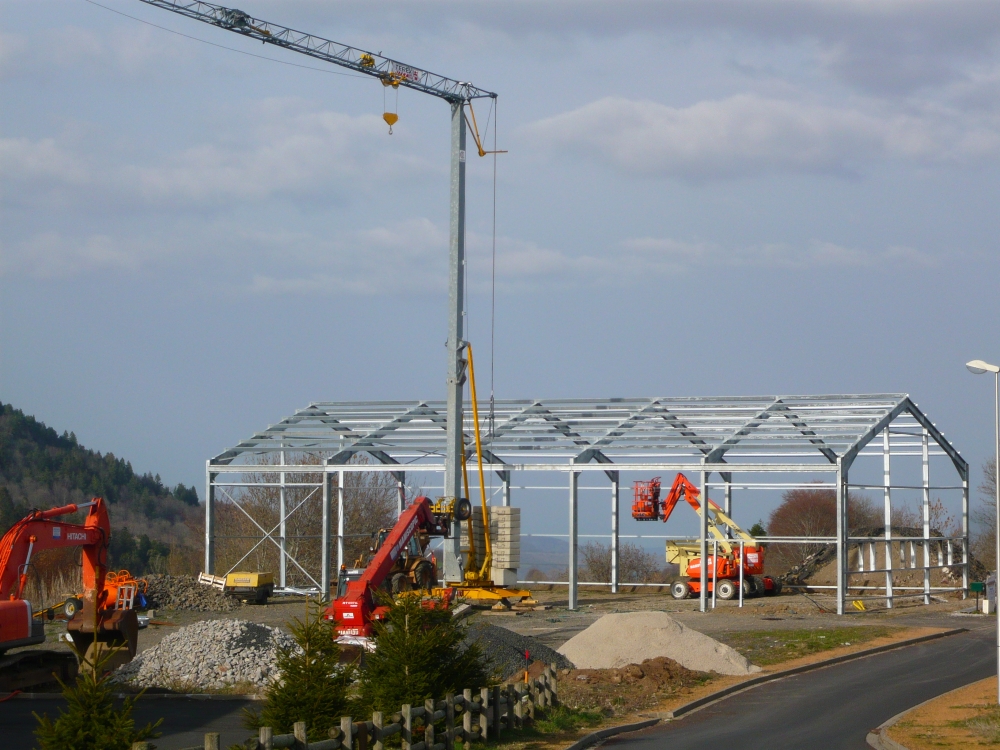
391 73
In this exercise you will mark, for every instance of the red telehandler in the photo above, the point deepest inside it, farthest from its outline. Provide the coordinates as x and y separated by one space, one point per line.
647 506
400 553
95 622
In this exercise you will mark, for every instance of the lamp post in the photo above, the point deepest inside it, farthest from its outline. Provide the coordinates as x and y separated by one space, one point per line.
978 367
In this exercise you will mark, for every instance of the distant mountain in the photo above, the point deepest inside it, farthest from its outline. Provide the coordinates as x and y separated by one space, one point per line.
39 468
545 553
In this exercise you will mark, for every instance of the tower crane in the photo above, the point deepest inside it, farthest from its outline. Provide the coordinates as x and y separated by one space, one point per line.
459 95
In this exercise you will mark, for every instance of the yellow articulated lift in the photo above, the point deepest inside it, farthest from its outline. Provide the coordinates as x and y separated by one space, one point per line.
478 584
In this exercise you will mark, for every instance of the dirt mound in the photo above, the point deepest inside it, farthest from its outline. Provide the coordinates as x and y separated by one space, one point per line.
625 689
617 640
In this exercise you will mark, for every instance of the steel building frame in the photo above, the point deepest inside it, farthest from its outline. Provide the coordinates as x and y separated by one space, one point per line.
736 438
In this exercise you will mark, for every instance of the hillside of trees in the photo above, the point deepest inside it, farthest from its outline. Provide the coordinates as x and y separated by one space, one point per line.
39 468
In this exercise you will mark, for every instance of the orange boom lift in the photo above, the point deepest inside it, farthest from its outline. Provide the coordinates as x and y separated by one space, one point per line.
647 506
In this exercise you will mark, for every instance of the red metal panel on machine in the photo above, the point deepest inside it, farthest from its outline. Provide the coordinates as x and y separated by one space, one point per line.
15 620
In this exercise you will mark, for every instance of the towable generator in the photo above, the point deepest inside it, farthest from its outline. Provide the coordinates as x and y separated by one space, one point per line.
647 506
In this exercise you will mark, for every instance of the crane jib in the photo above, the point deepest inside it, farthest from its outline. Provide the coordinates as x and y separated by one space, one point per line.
389 71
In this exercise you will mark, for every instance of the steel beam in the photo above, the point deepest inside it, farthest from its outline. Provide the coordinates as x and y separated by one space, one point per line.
209 520
455 372
574 478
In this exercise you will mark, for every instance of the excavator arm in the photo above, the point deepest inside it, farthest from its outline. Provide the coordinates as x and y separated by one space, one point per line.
40 530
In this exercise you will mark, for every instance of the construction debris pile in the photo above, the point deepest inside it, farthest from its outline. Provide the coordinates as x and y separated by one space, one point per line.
617 640
209 655
506 649
184 592
627 689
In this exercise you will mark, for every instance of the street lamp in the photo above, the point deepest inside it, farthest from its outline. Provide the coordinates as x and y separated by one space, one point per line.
978 367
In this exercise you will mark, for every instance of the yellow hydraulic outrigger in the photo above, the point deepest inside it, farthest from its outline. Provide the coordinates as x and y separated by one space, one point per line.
478 583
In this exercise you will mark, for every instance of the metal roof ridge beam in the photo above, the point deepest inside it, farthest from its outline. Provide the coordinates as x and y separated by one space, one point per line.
851 453
716 453
961 465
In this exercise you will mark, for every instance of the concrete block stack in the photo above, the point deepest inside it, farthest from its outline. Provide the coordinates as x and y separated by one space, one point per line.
505 535
505 538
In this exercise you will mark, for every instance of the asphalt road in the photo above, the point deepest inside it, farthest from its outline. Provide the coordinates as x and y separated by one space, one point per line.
834 707
185 720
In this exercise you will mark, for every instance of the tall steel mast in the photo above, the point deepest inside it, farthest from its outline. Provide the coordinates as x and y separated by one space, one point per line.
457 94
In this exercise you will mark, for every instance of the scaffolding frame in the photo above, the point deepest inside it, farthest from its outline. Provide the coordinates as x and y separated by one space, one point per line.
736 439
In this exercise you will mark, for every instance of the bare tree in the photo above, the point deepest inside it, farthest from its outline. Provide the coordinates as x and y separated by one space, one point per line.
985 517
246 516
635 564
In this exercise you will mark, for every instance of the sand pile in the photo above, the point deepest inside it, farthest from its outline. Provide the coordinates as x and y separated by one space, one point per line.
630 638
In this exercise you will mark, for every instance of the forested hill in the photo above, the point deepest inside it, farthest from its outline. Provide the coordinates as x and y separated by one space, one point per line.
39 468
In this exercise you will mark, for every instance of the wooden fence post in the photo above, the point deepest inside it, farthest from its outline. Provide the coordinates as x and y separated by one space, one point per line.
362 736
346 731
508 691
265 737
555 684
485 715
377 730
518 704
449 718
497 711
467 719
406 734
429 724
212 741
299 731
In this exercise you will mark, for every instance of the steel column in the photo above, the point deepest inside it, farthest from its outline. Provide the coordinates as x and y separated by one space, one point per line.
574 479
703 540
505 492
325 546
209 520
614 531
400 494
455 372
340 520
282 526
925 461
842 578
887 516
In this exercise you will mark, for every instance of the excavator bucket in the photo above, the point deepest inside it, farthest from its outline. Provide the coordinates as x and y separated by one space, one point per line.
113 634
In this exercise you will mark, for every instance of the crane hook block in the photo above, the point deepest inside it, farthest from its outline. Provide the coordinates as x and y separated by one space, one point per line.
391 118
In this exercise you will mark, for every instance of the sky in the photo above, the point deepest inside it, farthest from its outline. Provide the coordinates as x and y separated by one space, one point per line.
721 197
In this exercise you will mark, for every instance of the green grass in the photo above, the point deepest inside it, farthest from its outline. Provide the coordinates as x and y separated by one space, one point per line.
985 725
765 647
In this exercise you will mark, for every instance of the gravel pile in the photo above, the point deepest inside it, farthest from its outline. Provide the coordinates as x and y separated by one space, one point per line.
184 592
505 649
207 655
632 637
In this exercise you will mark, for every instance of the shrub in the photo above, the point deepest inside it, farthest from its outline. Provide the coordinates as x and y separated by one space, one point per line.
90 720
419 654
313 685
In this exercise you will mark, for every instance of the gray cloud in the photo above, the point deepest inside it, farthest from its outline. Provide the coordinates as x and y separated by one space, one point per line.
748 135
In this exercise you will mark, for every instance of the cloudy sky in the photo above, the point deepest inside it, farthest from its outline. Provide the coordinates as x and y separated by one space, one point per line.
712 197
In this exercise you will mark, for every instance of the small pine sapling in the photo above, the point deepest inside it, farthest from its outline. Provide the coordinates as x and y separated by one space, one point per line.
420 653
313 685
90 720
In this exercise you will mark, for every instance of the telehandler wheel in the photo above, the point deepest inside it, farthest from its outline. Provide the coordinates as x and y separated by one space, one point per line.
71 606
423 575
680 590
400 583
463 509
725 589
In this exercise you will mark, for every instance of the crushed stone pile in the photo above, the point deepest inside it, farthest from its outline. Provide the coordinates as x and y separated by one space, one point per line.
207 655
184 592
617 640
505 649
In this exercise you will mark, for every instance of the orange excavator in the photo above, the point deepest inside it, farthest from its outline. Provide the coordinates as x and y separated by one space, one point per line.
97 624
730 556
402 549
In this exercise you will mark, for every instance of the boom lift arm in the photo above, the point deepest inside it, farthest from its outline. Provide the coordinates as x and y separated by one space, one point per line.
717 519
354 610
